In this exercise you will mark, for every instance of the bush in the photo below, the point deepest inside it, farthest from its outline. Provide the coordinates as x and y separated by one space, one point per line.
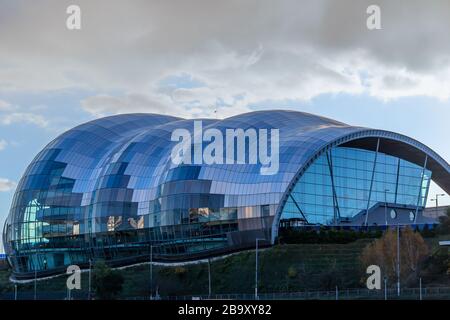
292 272
5 284
107 283
436 265
324 235
426 232
180 271
444 224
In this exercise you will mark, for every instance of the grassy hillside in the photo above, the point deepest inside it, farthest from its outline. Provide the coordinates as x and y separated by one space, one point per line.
283 268
292 267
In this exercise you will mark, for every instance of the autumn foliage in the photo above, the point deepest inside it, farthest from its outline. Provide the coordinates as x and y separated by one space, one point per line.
383 252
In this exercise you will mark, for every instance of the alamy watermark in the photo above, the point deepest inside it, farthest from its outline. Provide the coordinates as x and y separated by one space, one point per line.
74 279
373 21
374 279
73 21
242 146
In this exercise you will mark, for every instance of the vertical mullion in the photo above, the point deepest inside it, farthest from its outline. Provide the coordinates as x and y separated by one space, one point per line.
371 181
337 214
398 180
420 187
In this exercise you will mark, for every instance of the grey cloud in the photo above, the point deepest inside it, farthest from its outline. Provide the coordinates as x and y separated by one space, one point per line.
257 50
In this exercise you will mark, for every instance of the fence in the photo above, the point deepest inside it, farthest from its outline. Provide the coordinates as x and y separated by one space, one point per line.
339 294
428 293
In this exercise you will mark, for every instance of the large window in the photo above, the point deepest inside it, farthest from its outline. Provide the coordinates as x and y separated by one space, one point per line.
345 182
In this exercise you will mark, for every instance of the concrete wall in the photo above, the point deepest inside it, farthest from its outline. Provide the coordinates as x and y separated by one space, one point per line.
433 212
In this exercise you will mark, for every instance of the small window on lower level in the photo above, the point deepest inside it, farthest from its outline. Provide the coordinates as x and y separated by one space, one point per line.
265 210
393 214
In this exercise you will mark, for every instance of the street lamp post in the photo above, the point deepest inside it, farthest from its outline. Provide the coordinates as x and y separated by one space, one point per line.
420 288
151 272
436 200
256 268
385 206
90 267
398 260
35 274
209 278
35 283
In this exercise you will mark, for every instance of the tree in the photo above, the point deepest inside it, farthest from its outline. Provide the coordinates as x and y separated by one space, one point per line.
383 252
444 223
426 232
107 283
413 250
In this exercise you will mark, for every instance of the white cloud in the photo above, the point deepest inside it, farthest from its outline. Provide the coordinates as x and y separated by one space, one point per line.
6 185
5 106
101 105
23 117
3 144
185 103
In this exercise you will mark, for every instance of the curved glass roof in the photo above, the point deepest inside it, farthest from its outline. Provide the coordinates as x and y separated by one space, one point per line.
133 152
136 148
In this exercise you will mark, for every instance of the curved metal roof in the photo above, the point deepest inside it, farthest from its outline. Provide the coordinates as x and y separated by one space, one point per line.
390 143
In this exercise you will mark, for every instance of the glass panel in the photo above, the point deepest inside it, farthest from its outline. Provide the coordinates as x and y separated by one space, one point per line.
337 186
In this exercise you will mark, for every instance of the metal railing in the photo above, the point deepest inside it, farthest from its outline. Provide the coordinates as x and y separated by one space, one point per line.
428 293
339 294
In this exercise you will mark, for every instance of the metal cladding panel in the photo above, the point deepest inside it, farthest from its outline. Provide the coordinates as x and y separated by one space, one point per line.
122 164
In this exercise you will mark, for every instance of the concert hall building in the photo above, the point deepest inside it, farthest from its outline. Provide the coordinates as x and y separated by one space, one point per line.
108 190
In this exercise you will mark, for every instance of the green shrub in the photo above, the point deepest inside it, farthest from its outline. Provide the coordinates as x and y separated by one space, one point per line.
292 272
444 224
324 235
107 283
180 271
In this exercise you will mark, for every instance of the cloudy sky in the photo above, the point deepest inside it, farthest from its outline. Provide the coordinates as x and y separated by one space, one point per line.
189 58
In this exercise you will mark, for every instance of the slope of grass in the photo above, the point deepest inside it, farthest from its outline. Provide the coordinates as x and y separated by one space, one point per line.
282 268
290 267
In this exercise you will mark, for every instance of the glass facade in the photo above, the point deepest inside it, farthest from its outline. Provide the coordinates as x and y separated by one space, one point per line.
108 189
347 182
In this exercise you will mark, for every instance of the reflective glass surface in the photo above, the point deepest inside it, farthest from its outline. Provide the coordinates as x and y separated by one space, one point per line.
346 182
